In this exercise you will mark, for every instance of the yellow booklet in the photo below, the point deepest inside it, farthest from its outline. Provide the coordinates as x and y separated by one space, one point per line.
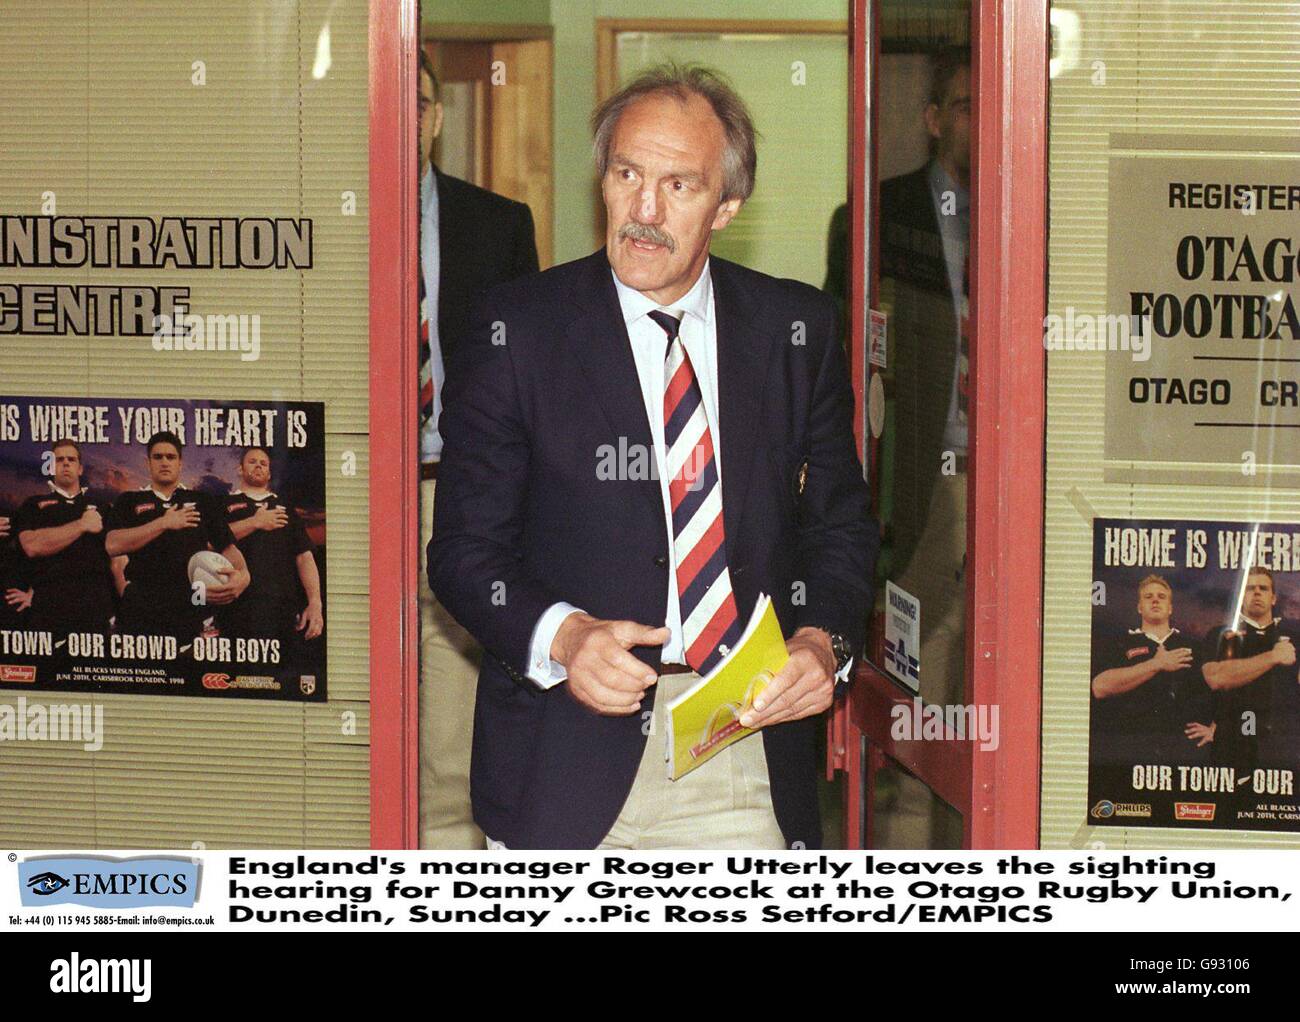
705 719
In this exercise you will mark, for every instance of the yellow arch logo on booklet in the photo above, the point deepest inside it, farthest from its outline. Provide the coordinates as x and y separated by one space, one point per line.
705 719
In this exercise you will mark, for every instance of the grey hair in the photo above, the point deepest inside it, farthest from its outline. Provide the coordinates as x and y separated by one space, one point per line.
739 155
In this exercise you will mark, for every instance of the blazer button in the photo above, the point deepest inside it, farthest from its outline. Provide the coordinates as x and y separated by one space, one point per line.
661 561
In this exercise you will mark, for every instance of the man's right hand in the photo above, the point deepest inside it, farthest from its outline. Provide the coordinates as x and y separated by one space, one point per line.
1171 659
1284 652
603 675
181 518
91 521
269 518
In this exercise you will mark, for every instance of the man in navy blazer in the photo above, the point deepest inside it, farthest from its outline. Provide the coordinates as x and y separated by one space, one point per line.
721 398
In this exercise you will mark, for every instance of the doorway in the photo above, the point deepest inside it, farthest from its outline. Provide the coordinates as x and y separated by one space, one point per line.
496 91
939 737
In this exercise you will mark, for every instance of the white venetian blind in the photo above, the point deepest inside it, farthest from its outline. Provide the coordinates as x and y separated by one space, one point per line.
99 107
1193 67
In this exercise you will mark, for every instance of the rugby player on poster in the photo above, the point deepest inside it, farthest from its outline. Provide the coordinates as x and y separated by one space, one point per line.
159 529
1150 704
1253 675
15 584
284 596
62 534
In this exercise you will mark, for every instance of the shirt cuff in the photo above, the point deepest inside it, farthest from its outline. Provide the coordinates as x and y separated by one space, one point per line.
546 672
844 673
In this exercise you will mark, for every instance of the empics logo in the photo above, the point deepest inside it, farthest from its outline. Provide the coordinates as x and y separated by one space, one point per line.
109 883
46 884
77 975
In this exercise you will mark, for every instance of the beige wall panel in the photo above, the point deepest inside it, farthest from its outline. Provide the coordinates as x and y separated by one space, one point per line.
1178 66
102 110
348 524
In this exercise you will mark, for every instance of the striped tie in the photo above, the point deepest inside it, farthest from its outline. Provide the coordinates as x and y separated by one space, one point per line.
710 622
426 361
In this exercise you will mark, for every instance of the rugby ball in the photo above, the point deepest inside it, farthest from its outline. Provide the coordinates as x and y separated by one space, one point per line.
204 565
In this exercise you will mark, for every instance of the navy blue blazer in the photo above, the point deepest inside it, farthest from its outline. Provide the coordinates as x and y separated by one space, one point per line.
522 520
483 238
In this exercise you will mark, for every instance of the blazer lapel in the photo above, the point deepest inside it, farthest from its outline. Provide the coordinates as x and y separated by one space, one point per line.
744 349
598 336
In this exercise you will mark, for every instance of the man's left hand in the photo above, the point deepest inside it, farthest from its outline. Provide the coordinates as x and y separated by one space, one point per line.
312 620
803 687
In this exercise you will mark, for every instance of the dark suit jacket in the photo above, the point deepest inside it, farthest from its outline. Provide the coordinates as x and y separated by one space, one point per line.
922 351
483 239
521 520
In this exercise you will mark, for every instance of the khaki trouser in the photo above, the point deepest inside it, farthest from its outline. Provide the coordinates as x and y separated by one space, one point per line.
936 576
449 664
726 803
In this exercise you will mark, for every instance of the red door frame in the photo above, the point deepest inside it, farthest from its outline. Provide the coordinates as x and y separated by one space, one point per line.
997 791
394 480
1012 45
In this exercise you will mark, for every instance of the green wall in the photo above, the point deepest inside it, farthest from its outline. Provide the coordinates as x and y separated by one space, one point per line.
577 223
488 12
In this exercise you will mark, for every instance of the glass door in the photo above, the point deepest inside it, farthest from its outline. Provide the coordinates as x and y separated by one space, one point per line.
926 717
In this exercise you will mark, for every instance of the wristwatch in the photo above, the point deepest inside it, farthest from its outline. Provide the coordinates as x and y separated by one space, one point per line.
842 648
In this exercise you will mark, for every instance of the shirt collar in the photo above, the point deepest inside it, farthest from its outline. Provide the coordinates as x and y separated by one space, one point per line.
250 495
941 181
694 303
1158 641
62 492
428 189
1259 627
165 500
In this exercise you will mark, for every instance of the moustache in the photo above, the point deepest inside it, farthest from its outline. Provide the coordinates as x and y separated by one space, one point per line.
647 233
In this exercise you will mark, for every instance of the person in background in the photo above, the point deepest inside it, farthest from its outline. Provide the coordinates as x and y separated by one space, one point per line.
61 532
1150 702
158 529
1252 671
16 590
283 602
469 239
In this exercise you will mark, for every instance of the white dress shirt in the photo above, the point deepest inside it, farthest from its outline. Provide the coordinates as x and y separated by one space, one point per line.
954 229
699 335
430 268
